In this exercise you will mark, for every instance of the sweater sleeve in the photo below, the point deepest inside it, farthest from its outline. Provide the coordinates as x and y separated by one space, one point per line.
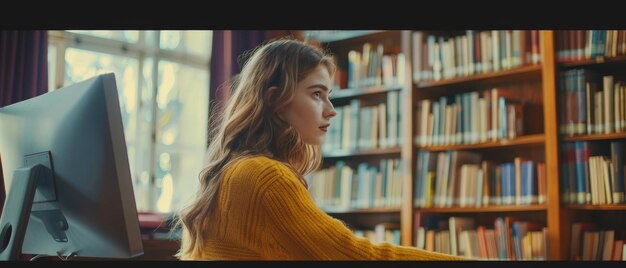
308 233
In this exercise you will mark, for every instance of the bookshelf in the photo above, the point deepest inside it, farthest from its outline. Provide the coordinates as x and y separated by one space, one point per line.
527 81
535 81
590 70
368 94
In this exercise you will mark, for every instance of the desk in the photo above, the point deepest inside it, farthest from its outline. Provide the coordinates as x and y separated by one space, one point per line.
153 250
159 250
153 226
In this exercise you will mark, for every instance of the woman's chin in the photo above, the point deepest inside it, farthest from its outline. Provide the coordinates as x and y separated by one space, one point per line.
314 142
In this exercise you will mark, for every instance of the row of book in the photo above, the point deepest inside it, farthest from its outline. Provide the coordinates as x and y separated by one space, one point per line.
591 242
593 173
463 179
469 118
368 186
593 104
383 232
509 239
356 127
438 57
371 67
575 45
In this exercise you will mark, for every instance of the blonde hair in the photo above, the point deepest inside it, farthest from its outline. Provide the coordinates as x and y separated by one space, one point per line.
251 126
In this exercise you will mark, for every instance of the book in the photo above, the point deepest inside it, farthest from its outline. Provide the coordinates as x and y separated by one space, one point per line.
456 225
617 250
457 160
577 232
618 174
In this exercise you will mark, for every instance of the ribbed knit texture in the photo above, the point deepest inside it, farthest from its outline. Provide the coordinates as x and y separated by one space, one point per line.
265 213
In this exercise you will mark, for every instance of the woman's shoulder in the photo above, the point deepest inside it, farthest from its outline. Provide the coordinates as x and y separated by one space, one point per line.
256 161
261 174
259 165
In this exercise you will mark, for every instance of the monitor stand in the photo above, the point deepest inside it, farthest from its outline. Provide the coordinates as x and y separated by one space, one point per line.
16 211
32 183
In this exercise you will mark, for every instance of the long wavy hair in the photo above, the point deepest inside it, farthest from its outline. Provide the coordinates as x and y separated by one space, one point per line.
251 126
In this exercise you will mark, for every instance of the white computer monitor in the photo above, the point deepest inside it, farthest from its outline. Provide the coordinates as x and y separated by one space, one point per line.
84 203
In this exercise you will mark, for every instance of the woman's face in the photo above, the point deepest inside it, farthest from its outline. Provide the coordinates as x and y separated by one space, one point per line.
310 111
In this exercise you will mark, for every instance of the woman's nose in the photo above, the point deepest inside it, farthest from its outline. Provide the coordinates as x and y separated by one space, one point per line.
330 111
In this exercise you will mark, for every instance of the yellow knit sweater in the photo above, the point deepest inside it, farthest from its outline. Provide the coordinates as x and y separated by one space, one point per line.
265 213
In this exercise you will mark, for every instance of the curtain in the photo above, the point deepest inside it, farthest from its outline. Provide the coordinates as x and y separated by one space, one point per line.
226 62
24 65
23 72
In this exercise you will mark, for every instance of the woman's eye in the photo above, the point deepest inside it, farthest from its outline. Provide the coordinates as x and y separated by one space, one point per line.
317 94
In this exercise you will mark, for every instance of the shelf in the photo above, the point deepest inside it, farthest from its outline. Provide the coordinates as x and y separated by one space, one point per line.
523 140
356 92
537 84
599 61
598 207
523 72
483 209
360 210
333 36
361 153
592 137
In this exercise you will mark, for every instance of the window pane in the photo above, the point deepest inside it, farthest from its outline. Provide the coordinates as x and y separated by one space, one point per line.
127 36
182 104
143 188
164 115
52 70
176 178
196 43
141 176
150 38
83 64
182 111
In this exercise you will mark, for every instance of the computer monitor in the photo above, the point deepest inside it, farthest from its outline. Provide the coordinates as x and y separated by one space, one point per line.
70 144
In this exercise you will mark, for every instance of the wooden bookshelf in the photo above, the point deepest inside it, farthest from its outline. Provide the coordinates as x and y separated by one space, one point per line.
596 137
368 93
604 215
599 61
348 93
557 219
380 152
519 141
361 211
334 36
598 207
536 82
483 209
519 73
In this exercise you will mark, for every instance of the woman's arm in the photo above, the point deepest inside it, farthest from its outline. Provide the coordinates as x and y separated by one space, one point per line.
307 232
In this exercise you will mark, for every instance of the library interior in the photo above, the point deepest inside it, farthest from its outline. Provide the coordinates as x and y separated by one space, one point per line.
489 144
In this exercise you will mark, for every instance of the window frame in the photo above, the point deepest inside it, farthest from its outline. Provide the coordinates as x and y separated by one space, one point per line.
62 40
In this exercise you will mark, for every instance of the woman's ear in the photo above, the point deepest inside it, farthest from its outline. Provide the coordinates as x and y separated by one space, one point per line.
270 99
270 96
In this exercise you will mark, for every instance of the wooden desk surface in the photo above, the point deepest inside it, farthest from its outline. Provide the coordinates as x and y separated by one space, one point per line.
153 250
159 250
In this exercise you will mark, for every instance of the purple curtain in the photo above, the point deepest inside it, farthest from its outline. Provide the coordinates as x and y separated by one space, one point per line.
226 61
23 65
23 72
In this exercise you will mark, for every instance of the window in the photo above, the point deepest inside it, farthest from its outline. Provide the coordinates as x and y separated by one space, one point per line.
163 83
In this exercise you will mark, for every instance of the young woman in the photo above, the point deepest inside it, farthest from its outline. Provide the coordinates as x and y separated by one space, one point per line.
253 202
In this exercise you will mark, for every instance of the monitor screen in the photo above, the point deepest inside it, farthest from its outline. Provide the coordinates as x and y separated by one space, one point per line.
87 206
